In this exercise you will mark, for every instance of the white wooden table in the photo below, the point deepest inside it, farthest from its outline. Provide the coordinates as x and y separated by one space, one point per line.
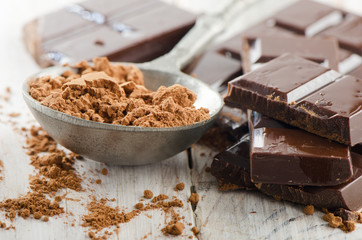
218 215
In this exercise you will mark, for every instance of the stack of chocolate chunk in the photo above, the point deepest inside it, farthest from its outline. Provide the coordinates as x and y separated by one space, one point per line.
302 93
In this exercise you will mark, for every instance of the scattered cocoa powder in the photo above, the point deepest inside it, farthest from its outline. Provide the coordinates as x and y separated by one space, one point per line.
194 198
180 186
54 172
113 93
104 171
148 194
309 210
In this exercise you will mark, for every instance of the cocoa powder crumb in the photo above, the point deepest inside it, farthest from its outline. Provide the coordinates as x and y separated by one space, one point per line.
159 198
104 171
194 198
207 169
195 230
148 194
180 186
58 198
2 225
46 219
115 94
309 210
98 181
139 206
175 229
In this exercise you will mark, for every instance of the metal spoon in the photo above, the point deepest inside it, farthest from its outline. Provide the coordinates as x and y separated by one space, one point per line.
130 145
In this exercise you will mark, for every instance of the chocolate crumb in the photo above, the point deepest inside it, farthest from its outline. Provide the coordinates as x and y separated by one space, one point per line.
148 194
309 210
180 186
207 169
194 198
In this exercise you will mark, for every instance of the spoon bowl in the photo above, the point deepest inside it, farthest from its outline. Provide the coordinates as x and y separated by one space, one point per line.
126 145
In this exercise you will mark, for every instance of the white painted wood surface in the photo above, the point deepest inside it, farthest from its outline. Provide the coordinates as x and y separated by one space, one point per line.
218 215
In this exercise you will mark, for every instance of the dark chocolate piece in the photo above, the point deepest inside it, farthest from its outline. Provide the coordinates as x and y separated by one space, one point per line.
281 154
304 94
219 65
231 169
348 33
308 17
263 49
130 31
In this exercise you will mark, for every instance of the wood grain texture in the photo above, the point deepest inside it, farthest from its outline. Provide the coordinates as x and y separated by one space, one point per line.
218 215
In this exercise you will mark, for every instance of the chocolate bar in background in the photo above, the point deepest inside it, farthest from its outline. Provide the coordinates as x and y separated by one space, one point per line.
357 72
218 65
308 17
304 94
260 50
349 62
348 33
231 169
281 154
125 30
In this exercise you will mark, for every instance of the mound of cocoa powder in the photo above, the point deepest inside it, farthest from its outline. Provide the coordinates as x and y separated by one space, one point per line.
113 93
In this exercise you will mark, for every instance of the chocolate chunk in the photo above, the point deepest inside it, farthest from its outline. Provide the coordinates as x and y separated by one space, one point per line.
346 195
281 154
304 94
131 31
231 167
218 65
308 17
263 49
348 33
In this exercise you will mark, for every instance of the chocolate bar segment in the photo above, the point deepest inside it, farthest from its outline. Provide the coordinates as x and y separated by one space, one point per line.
303 94
263 49
308 17
130 31
231 169
348 33
281 154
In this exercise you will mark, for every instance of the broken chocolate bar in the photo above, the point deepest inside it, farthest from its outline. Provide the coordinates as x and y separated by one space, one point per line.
231 169
308 17
125 30
263 49
303 94
357 72
281 154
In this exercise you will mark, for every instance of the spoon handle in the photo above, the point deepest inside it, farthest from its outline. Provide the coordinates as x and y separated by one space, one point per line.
199 37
